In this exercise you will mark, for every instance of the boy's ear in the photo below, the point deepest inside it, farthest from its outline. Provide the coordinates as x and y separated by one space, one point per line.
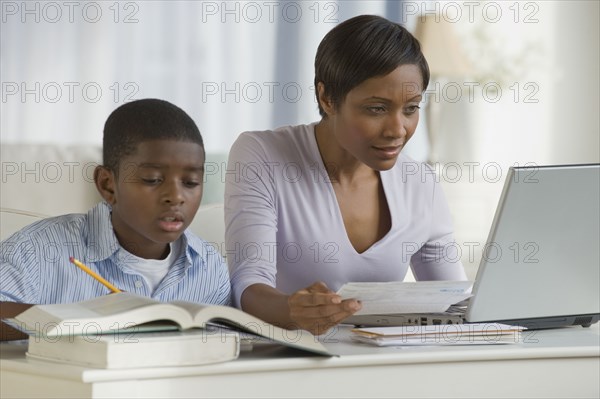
325 101
105 181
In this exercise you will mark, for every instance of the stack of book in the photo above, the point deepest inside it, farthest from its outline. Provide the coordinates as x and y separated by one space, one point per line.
125 330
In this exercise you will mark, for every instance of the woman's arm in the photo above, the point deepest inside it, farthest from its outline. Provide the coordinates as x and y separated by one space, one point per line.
315 308
251 220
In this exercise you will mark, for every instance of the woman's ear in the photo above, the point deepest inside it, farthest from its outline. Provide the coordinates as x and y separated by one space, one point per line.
105 181
326 103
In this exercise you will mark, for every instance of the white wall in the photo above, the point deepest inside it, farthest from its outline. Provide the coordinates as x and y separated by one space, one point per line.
547 53
233 66
575 115
547 113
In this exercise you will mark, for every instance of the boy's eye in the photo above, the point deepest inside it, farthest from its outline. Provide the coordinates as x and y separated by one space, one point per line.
151 181
191 183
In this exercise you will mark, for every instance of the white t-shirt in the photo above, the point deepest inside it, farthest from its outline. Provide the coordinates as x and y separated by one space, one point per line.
284 227
154 270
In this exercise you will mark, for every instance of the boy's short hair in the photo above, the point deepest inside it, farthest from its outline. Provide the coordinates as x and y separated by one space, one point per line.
361 48
144 120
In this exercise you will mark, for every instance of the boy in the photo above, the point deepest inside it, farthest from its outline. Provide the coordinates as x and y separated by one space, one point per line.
151 182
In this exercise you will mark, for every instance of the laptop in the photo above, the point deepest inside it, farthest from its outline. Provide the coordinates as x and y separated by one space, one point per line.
541 264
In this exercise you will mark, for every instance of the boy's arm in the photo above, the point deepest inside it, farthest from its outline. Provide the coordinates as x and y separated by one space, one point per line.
19 267
9 310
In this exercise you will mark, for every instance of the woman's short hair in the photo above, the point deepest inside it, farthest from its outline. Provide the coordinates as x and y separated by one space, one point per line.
360 48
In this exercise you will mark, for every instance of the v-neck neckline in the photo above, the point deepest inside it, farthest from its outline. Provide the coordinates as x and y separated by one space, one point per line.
333 197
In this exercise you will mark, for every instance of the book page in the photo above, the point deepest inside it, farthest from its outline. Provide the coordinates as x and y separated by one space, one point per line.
113 304
192 308
251 326
406 297
217 314
102 314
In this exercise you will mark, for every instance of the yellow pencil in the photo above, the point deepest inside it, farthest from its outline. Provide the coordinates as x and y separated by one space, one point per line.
94 274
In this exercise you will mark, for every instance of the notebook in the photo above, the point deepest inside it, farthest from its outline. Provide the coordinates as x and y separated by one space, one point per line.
541 263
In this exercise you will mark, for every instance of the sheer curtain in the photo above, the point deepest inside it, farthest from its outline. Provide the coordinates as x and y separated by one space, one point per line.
233 65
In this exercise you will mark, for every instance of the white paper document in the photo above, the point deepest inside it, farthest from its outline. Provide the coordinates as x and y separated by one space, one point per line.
407 297
448 334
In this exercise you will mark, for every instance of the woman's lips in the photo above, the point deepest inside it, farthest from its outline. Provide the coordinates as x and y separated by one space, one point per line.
388 152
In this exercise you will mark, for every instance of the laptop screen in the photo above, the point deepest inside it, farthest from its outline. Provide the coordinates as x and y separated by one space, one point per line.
542 257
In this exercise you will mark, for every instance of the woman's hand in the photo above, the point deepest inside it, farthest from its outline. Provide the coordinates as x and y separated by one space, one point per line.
317 308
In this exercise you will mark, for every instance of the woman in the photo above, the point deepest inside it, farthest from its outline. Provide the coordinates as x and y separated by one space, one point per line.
311 207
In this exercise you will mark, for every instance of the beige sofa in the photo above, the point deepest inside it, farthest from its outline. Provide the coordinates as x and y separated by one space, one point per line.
48 180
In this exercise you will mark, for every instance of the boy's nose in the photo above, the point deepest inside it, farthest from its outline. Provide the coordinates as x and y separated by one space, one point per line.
173 193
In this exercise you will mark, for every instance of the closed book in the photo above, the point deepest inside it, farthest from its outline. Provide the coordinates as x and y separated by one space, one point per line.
136 350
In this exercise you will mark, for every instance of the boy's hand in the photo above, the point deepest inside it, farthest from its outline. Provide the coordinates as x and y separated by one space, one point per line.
9 310
317 308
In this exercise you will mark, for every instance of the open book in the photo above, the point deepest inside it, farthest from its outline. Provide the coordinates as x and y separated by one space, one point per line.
130 312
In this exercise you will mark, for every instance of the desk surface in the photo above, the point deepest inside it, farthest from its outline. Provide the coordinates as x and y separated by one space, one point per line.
550 363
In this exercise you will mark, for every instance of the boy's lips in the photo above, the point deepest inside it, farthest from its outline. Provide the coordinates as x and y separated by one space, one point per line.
171 222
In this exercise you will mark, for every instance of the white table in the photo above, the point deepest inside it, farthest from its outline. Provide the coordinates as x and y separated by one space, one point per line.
552 363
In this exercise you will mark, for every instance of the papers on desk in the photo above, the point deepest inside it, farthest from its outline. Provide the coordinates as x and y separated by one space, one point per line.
407 297
447 334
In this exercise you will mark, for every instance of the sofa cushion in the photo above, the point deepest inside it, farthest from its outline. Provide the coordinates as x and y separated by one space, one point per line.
49 179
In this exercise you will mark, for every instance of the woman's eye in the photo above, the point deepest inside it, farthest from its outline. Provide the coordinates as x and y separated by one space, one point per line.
376 109
412 109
